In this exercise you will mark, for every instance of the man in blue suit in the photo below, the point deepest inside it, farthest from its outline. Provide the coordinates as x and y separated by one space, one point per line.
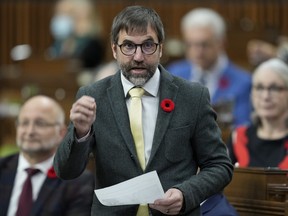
179 126
206 62
40 129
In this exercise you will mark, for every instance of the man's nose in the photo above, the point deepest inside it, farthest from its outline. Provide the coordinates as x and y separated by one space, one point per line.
138 56
31 127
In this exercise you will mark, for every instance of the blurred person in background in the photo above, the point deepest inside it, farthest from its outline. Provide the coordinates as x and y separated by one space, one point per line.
264 143
259 51
76 29
40 129
204 34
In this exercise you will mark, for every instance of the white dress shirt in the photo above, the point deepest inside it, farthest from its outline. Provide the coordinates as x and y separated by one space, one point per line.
21 175
150 103
212 76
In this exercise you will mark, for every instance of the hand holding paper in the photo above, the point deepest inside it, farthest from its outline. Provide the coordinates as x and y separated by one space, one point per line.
142 189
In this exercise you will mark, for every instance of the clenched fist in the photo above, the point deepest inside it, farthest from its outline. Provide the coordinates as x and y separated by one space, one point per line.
83 114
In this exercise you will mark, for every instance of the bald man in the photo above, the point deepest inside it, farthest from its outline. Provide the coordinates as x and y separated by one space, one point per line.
40 129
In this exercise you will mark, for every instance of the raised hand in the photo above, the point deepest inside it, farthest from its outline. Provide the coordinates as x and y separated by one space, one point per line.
83 114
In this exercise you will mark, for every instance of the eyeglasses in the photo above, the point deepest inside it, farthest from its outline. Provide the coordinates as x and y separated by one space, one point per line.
39 124
129 48
272 90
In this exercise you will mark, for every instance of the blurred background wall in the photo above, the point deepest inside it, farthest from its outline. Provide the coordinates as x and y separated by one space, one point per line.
27 21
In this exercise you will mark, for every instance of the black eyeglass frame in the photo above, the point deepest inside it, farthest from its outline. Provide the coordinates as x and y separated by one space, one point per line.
135 48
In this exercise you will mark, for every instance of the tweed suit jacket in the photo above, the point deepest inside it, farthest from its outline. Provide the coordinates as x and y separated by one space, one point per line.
56 197
185 138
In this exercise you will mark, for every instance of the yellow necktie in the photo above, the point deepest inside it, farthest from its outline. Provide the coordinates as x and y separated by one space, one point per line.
136 123
137 132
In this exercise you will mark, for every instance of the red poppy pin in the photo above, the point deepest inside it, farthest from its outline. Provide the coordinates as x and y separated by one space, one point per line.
51 173
167 105
223 83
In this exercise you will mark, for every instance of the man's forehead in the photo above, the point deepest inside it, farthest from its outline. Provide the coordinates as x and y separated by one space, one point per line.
37 110
132 33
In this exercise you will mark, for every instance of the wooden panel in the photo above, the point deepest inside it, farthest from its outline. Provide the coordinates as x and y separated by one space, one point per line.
259 192
55 78
24 22
27 21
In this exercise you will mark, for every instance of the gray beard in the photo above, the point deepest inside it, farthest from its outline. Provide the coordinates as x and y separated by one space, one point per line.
137 80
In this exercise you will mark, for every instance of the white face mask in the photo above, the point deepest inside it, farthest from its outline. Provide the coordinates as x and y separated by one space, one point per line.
61 26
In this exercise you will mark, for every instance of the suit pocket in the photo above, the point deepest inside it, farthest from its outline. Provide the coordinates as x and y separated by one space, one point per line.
178 144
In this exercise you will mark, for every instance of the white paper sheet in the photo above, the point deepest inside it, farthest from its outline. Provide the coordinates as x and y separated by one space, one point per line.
142 189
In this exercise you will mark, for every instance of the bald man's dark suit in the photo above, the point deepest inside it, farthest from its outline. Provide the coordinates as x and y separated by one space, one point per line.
186 138
56 197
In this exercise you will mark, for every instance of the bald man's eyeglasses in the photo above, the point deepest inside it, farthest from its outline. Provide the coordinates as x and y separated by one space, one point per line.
39 124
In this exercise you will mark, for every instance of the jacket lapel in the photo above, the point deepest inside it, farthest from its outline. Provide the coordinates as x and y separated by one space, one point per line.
120 112
8 167
168 90
47 190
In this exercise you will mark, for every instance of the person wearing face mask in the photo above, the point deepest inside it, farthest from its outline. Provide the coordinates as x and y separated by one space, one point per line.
77 33
28 183
264 143
62 27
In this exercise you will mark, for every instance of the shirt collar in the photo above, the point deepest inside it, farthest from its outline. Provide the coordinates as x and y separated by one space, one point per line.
151 87
43 166
216 70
